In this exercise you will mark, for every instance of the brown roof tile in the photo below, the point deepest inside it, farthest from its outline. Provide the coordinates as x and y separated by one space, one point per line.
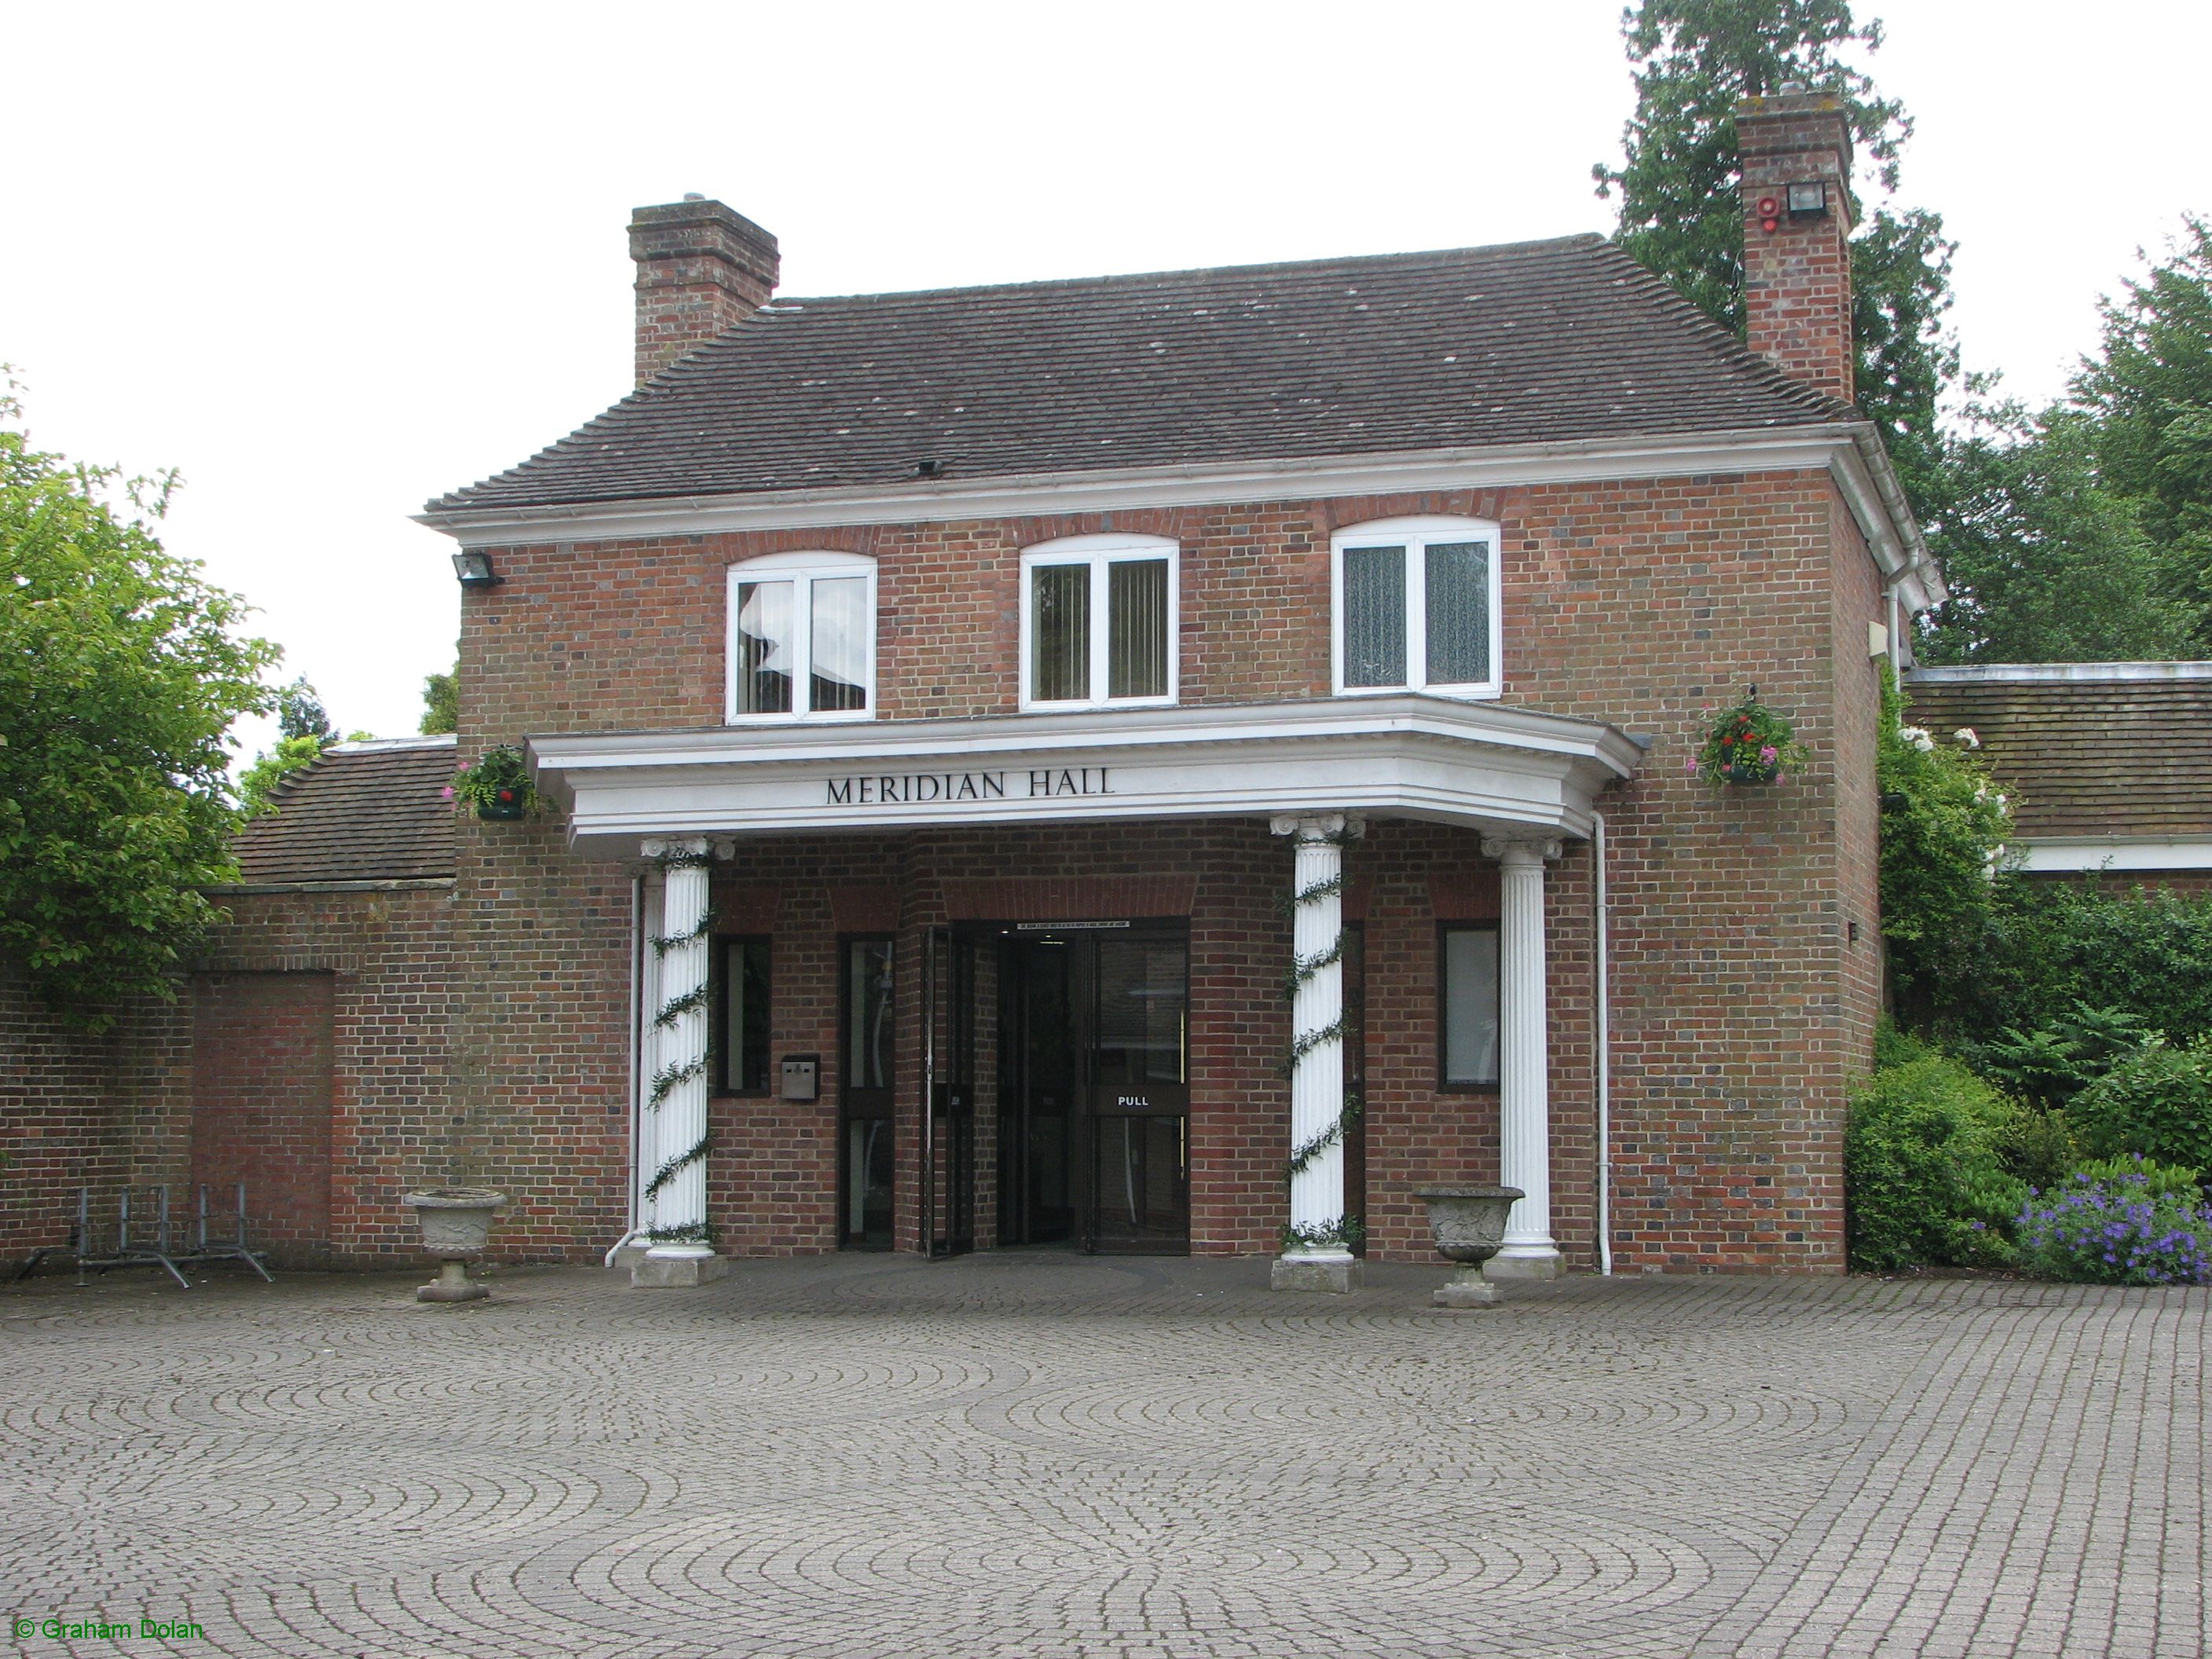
1558 340
361 812
2085 753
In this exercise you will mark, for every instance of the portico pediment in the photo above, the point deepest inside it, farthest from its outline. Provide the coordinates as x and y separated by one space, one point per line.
1482 764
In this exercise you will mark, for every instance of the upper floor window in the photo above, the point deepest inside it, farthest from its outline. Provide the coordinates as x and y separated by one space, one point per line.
802 641
1098 622
1416 607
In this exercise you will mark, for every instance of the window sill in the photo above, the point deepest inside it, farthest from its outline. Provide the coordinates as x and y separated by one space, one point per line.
842 717
1450 693
1097 707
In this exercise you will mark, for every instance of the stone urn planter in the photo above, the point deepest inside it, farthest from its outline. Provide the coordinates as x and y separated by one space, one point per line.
1469 1224
456 1222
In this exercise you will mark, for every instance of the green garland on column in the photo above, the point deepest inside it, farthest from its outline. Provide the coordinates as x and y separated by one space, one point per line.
665 1080
1343 1230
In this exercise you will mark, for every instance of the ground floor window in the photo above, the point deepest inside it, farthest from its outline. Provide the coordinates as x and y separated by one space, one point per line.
741 1015
1467 1015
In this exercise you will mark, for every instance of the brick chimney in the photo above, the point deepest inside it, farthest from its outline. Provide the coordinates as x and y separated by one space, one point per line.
702 269
1796 149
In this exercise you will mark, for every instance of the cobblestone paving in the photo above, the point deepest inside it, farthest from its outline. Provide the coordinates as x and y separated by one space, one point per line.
1045 1455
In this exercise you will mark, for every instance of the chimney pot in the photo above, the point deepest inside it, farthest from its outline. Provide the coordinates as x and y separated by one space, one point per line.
1795 150
702 269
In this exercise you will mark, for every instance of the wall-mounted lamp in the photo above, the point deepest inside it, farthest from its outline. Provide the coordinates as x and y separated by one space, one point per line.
1809 200
473 566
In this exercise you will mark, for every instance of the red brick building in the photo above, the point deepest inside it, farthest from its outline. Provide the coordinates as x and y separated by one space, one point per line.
1167 762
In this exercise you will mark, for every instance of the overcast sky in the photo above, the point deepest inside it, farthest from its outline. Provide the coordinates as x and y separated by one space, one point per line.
331 261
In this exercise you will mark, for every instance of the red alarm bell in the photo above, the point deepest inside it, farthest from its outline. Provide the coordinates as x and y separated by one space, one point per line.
1770 215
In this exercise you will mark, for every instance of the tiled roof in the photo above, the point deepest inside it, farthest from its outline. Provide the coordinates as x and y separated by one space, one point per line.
2107 749
1559 340
369 811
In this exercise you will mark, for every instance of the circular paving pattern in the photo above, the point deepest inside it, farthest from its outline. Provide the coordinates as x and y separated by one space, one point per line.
1047 1457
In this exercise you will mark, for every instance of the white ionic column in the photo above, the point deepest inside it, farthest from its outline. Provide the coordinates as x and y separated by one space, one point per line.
681 1203
650 1048
1524 1094
1317 1076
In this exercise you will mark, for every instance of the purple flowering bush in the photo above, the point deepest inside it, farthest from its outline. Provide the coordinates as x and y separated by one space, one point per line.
2118 1225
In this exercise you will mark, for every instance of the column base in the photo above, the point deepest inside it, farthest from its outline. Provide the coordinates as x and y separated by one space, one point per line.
1335 1274
1468 1289
1541 1265
627 1257
677 1272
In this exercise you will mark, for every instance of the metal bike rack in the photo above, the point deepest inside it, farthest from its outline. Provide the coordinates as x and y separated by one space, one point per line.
164 1248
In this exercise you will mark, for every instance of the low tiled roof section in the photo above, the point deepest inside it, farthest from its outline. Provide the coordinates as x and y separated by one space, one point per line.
2086 756
1557 340
365 813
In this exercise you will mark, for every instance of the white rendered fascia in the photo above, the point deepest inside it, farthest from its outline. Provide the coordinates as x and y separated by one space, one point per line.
1416 756
1109 490
2072 855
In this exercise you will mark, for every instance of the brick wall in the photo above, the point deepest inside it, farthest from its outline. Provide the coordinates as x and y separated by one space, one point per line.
78 1110
263 1105
1742 1004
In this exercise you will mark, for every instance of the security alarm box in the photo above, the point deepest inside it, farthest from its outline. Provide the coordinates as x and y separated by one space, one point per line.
802 1077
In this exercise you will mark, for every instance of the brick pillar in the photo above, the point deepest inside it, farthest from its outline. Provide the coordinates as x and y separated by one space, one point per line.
702 269
1797 258
1317 1101
1524 1090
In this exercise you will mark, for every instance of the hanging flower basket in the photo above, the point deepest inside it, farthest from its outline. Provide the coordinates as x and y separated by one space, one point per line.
498 785
1748 745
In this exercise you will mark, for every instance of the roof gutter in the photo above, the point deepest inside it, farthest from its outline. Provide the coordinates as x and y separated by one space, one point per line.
1850 451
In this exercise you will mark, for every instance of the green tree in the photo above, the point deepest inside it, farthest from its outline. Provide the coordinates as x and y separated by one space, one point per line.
441 701
1681 213
2045 562
299 713
256 785
303 731
2149 390
120 671
1943 829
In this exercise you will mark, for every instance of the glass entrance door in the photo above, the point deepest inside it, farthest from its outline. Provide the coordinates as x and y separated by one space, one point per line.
866 1144
1140 1091
1094 1101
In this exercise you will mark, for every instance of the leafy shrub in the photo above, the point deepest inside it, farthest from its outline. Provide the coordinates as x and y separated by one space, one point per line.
2061 1057
2165 1180
2157 1101
2038 1146
1925 1169
1943 829
2119 1229
2045 950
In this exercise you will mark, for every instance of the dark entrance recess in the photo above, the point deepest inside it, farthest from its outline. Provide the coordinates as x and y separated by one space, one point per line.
1075 1040
865 1131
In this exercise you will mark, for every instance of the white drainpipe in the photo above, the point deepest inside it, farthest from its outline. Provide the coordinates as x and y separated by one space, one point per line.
636 1091
1603 1036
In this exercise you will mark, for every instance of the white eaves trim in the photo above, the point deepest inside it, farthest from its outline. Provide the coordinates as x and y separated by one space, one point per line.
2074 854
1415 756
1850 451
2052 673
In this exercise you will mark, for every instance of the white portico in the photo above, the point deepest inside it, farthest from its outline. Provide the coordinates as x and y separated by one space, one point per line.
1317 772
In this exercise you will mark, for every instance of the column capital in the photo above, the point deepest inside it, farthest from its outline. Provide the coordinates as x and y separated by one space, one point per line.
1318 826
661 846
1522 849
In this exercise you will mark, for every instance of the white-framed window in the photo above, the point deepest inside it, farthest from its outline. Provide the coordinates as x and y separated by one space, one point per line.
802 639
1415 607
1099 623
